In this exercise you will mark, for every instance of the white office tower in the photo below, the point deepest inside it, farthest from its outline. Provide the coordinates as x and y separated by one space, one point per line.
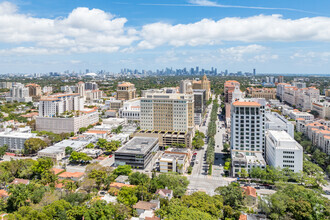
55 105
247 127
167 111
237 94
283 151
131 110
19 93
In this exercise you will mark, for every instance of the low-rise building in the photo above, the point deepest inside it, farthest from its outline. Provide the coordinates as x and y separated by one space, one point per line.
57 151
165 193
75 176
322 108
241 161
113 104
294 114
251 196
266 93
138 152
67 124
131 110
275 121
283 151
15 139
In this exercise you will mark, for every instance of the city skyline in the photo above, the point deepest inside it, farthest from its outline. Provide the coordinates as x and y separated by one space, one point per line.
273 37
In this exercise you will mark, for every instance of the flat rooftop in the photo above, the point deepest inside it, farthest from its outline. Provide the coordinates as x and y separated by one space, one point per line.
284 140
15 134
138 145
270 116
59 147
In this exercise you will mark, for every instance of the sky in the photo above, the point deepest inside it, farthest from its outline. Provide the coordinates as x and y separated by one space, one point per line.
281 36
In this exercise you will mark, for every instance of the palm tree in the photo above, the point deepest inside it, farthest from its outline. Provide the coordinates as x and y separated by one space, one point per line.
70 186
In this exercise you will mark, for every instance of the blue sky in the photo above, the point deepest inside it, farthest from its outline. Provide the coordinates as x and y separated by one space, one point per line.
271 36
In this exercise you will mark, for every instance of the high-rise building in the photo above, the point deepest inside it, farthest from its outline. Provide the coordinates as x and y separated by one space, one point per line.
247 127
34 90
167 112
280 79
19 93
186 87
81 89
91 86
54 105
229 88
126 91
203 84
254 72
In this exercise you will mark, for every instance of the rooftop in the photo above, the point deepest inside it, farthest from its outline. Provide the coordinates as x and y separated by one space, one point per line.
282 139
246 104
138 145
145 205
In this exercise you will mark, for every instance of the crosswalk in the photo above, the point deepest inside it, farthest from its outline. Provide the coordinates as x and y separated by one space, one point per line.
205 177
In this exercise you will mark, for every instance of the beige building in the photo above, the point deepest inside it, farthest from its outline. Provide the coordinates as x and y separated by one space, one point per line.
203 84
323 108
34 90
229 88
126 91
167 112
266 93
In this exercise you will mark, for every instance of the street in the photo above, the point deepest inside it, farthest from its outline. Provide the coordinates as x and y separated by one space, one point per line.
199 178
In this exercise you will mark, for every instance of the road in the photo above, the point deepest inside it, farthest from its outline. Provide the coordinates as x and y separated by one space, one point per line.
199 179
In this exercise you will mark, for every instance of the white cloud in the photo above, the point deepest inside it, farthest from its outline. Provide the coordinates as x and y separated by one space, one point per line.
203 3
84 30
311 56
250 29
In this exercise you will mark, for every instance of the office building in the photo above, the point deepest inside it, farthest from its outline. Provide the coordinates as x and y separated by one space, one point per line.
247 127
126 91
322 108
199 105
47 90
283 151
280 79
167 112
242 161
6 85
55 105
295 114
229 88
138 152
266 93
131 110
203 84
113 104
68 123
57 151
91 86
299 85
34 90
15 139
275 121
175 160
19 93
186 87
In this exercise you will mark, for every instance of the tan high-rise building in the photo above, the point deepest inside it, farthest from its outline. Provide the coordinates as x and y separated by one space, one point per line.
126 91
167 112
34 90
203 84
229 88
81 89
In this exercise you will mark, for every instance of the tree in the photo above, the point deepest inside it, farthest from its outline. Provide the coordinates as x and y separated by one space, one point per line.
127 196
90 145
117 130
42 165
138 178
102 143
175 182
98 175
226 147
68 150
243 173
3 150
82 130
70 186
79 157
232 195
33 145
123 170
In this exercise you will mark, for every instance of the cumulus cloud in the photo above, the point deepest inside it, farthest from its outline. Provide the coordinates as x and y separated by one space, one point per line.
83 30
87 30
250 29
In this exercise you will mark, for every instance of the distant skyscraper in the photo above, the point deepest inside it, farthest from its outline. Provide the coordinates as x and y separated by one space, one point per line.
87 70
281 79
254 72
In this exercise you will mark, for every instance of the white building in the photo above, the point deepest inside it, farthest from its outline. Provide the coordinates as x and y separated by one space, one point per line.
131 110
19 93
295 114
247 127
47 89
15 139
55 105
167 112
57 151
274 121
241 161
67 124
283 151
280 90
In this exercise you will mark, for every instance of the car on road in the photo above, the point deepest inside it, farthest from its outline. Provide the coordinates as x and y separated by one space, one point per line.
195 153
